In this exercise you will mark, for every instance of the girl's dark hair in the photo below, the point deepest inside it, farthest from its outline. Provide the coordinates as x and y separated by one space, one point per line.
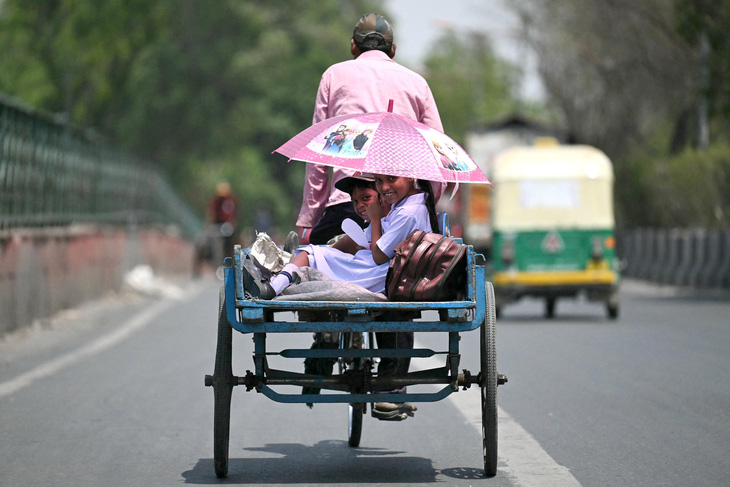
430 203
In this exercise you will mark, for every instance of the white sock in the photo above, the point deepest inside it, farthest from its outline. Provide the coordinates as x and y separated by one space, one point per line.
281 281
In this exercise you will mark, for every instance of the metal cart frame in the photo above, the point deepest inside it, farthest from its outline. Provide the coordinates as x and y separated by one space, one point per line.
356 384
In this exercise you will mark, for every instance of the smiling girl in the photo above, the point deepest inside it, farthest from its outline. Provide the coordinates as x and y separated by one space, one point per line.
412 207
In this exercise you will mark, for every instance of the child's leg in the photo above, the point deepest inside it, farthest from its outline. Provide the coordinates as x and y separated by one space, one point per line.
282 280
300 260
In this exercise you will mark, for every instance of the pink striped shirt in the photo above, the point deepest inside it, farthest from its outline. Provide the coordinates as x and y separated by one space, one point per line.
361 85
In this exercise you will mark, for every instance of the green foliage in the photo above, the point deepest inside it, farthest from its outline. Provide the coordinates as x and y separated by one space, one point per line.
206 89
691 189
709 20
470 85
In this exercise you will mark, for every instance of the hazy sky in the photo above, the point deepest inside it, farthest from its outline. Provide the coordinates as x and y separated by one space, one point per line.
418 23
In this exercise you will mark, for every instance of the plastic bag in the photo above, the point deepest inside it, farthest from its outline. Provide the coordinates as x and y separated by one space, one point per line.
268 254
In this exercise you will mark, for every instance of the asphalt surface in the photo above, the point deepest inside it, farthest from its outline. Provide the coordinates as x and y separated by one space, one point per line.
112 394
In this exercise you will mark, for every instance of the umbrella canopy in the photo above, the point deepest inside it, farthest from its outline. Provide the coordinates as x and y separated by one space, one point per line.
384 143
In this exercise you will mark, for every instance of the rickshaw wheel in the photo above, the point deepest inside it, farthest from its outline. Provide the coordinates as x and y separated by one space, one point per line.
354 430
355 410
488 360
222 389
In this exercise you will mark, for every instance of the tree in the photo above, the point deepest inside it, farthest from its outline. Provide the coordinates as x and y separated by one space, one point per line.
703 25
469 83
616 69
206 89
642 80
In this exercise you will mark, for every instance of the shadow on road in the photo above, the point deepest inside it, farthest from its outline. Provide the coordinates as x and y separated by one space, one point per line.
327 462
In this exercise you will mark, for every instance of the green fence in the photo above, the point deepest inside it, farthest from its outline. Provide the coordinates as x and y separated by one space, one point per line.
54 175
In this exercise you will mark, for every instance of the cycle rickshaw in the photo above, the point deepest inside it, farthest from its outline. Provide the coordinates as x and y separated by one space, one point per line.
355 383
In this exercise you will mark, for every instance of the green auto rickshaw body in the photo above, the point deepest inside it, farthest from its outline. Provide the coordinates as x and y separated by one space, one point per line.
553 225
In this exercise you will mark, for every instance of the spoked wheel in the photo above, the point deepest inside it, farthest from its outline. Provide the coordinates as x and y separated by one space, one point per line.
488 359
222 389
355 410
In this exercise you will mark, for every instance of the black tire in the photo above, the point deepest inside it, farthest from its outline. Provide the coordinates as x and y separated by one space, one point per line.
612 306
488 362
355 410
354 430
222 389
550 307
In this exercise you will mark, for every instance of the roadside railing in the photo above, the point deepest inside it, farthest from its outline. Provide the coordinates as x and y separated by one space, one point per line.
694 257
55 175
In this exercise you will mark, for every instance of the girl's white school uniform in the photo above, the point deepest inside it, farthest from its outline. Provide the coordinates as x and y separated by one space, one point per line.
405 216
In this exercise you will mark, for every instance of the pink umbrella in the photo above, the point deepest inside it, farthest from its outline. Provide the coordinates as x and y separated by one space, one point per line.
384 143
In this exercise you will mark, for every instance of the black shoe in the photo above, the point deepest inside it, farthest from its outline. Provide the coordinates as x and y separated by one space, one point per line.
292 242
256 279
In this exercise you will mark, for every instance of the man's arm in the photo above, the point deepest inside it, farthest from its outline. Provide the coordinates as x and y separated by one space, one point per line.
316 177
431 115
432 118
314 195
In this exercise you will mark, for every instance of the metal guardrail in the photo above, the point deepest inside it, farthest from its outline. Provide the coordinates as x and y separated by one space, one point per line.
693 257
55 175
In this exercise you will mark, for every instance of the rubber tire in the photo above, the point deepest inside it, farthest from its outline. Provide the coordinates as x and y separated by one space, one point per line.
550 308
488 362
354 430
222 389
355 410
612 306
612 310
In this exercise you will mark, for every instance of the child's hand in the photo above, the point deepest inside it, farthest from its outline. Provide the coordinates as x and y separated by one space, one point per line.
384 207
375 210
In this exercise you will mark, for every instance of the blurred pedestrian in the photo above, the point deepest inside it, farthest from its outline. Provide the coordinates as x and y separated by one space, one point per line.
223 216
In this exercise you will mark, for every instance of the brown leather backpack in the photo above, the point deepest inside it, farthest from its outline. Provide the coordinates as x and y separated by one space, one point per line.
426 267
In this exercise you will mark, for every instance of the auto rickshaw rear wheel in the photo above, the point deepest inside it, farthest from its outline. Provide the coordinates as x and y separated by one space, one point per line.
550 307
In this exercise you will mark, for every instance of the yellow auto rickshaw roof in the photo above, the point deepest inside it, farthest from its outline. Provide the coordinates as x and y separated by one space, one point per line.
552 187
553 162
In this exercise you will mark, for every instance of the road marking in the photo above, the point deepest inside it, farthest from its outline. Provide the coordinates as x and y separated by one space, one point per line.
525 461
47 369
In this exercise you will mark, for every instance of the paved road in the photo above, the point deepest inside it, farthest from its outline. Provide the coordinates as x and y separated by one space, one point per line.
112 394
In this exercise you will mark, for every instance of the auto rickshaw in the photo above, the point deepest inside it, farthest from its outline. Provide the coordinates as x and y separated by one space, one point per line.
553 226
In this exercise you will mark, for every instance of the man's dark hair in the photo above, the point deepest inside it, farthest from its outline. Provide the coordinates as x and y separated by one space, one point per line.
373 43
373 32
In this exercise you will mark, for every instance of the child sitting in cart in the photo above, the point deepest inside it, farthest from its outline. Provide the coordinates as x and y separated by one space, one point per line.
412 207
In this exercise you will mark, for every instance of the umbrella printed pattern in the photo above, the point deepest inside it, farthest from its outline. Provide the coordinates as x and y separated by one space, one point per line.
384 143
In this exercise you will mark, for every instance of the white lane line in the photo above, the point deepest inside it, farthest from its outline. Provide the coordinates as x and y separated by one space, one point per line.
137 322
525 461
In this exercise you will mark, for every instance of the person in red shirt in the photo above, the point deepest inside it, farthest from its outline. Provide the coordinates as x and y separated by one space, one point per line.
223 215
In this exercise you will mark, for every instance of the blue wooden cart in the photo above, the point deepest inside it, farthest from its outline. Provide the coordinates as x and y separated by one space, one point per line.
354 381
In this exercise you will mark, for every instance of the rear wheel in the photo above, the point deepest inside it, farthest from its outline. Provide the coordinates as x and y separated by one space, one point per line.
354 429
612 306
488 362
550 307
355 410
222 389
